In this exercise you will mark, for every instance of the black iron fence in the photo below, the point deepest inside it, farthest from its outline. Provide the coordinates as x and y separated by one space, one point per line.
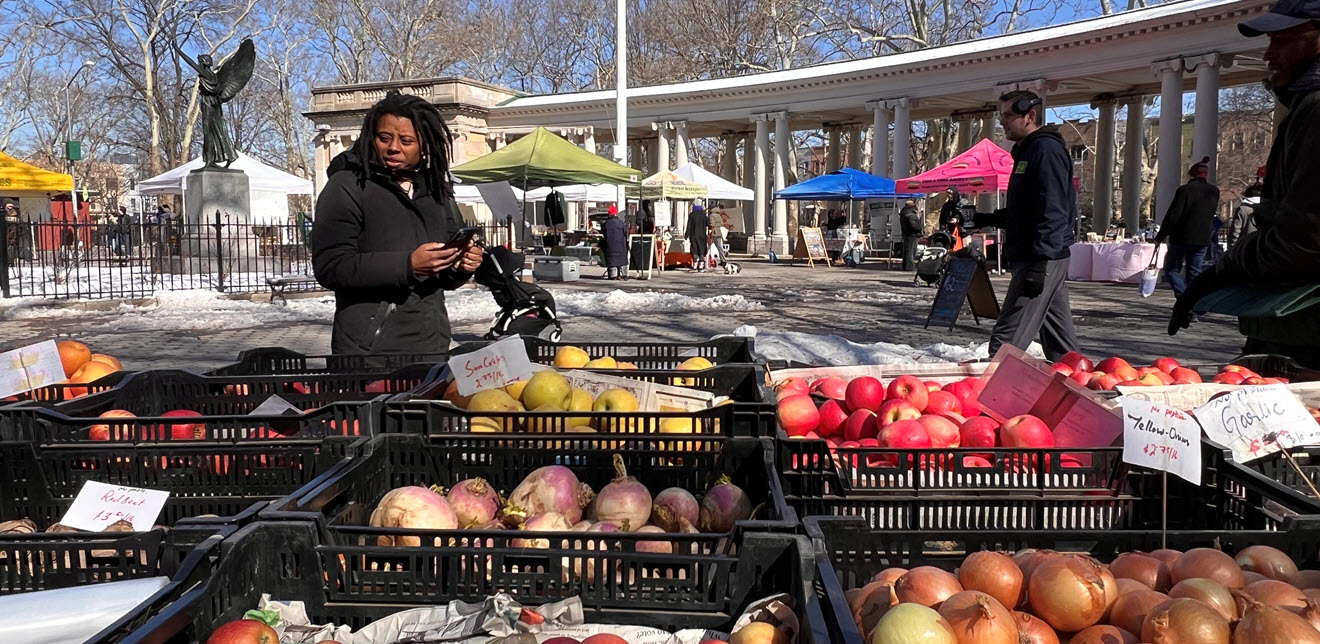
65 260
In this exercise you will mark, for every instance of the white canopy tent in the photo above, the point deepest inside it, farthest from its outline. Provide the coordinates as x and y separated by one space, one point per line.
270 187
597 192
720 189
467 193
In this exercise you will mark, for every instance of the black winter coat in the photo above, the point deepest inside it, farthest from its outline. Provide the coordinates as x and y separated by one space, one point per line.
951 213
1041 210
698 232
615 242
909 221
1190 219
362 241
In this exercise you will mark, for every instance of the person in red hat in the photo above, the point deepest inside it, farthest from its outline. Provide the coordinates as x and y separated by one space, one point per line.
614 244
1188 226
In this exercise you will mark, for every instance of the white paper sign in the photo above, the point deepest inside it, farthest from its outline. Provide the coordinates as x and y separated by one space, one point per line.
30 367
660 210
1161 438
491 367
98 505
1258 421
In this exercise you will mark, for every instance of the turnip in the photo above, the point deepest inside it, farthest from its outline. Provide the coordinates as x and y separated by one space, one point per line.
553 488
624 501
415 508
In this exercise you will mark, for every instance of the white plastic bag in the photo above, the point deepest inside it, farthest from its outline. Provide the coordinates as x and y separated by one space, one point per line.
71 614
1149 278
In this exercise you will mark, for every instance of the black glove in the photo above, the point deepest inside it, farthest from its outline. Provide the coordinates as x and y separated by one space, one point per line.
1204 284
1033 283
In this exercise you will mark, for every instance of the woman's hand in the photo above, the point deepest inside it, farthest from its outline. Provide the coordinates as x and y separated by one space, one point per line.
432 257
470 259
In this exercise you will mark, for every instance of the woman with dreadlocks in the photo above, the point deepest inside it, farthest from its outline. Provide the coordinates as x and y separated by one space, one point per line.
377 240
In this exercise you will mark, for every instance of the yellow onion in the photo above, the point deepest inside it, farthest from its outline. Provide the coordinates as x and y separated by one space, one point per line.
1103 634
1144 568
979 618
1265 624
1306 579
912 623
1274 593
926 585
1031 630
1067 592
994 574
1264 560
1208 592
1131 609
1208 563
1185 621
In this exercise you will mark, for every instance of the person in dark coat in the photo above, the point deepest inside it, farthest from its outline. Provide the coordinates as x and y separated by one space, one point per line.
951 213
1188 227
615 246
1285 248
1038 222
698 236
1243 222
911 226
378 238
645 218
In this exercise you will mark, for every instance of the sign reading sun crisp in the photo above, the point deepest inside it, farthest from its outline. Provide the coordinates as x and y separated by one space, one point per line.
99 505
491 367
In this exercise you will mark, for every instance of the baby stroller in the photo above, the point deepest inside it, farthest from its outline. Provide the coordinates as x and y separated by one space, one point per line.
931 261
525 309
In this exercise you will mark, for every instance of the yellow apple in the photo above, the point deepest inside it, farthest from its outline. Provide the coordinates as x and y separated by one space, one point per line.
493 400
615 400
602 363
678 426
484 425
543 424
546 387
692 364
579 400
570 357
516 389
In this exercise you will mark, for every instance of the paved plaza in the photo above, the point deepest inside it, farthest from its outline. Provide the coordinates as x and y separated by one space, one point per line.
864 305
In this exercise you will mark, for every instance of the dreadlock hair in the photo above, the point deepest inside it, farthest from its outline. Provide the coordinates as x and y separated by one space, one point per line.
431 132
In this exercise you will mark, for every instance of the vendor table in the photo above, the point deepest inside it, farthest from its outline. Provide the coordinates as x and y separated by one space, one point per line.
1111 262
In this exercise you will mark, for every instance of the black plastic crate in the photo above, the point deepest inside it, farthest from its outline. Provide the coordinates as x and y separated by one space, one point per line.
1277 468
1276 366
646 355
751 414
1103 494
51 561
60 392
284 560
267 361
849 552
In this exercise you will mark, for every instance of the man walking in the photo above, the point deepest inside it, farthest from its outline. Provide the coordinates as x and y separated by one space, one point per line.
910 224
1188 227
1285 248
1038 225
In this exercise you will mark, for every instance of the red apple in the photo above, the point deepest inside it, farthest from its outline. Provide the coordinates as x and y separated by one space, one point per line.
849 445
895 410
1275 381
1103 382
831 387
832 417
1077 361
789 386
1167 365
1026 431
1254 380
1155 379
975 461
797 414
941 401
905 434
942 431
122 432
1315 413
1236 368
376 387
958 419
1108 365
1228 378
1062 368
909 388
709 642
977 384
1082 377
833 443
1185 376
864 393
1132 383
244 631
1125 373
182 431
931 385
962 389
861 424
981 431
605 638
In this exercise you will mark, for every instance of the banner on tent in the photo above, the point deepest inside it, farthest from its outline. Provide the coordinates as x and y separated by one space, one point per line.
732 218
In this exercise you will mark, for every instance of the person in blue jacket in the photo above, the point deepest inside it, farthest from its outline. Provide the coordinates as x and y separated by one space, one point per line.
615 246
1038 219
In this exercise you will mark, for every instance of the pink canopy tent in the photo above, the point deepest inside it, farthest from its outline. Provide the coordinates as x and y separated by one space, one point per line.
984 168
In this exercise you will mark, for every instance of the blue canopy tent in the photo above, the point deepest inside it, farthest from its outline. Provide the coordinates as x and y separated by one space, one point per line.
845 184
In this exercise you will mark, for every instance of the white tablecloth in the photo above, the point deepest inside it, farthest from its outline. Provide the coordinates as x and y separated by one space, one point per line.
1111 262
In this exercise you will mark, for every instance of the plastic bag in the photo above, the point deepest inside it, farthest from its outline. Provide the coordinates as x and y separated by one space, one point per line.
1149 278
72 614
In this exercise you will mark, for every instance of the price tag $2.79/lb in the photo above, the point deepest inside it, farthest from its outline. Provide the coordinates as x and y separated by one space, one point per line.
1162 438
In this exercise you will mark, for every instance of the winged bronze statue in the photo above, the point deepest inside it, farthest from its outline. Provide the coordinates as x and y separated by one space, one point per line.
217 87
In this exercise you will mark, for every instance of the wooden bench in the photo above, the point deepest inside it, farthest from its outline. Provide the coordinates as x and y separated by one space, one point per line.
278 285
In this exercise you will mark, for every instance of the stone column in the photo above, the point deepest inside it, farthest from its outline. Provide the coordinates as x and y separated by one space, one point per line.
855 162
748 166
589 139
1205 129
1103 208
964 132
988 124
321 159
662 149
902 138
730 172
1133 141
635 154
1169 160
986 201
681 141
779 236
652 157
879 138
832 149
761 180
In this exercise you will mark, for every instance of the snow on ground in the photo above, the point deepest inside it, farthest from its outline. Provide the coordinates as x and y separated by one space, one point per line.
207 310
832 350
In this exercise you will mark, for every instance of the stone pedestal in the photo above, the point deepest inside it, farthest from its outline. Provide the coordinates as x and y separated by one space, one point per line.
779 244
208 191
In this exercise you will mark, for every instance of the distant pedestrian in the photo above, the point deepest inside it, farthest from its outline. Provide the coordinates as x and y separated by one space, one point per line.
951 216
910 224
12 233
645 218
1188 227
123 233
614 244
1243 221
698 236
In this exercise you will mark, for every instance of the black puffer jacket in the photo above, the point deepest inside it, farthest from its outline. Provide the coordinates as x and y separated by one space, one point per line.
951 212
362 241
1041 210
615 241
909 222
1190 219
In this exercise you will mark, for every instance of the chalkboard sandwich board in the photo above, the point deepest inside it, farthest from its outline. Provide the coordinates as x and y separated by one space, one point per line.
810 246
964 279
641 255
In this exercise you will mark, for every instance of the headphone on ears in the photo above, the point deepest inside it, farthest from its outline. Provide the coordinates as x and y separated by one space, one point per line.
1022 106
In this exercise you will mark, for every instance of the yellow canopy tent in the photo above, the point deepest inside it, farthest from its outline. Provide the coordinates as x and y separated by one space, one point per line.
18 179
667 185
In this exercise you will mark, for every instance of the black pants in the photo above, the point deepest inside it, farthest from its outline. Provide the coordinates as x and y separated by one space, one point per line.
1047 316
910 252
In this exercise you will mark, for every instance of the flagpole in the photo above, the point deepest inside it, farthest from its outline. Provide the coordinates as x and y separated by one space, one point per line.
620 96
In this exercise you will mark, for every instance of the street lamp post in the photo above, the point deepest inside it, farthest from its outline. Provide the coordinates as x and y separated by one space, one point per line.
68 131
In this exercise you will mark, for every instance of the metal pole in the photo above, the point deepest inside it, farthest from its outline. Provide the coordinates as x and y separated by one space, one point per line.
620 93
219 255
68 136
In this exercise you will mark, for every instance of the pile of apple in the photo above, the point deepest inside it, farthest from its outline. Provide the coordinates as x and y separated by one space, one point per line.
251 631
1116 372
571 357
908 414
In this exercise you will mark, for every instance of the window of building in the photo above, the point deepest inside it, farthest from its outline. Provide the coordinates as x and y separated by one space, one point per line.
1079 152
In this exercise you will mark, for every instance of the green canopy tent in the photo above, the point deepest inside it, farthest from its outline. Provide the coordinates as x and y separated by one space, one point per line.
543 159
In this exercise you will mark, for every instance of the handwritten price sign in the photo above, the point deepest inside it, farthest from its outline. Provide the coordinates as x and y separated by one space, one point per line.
1258 421
491 367
30 367
1161 438
98 505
